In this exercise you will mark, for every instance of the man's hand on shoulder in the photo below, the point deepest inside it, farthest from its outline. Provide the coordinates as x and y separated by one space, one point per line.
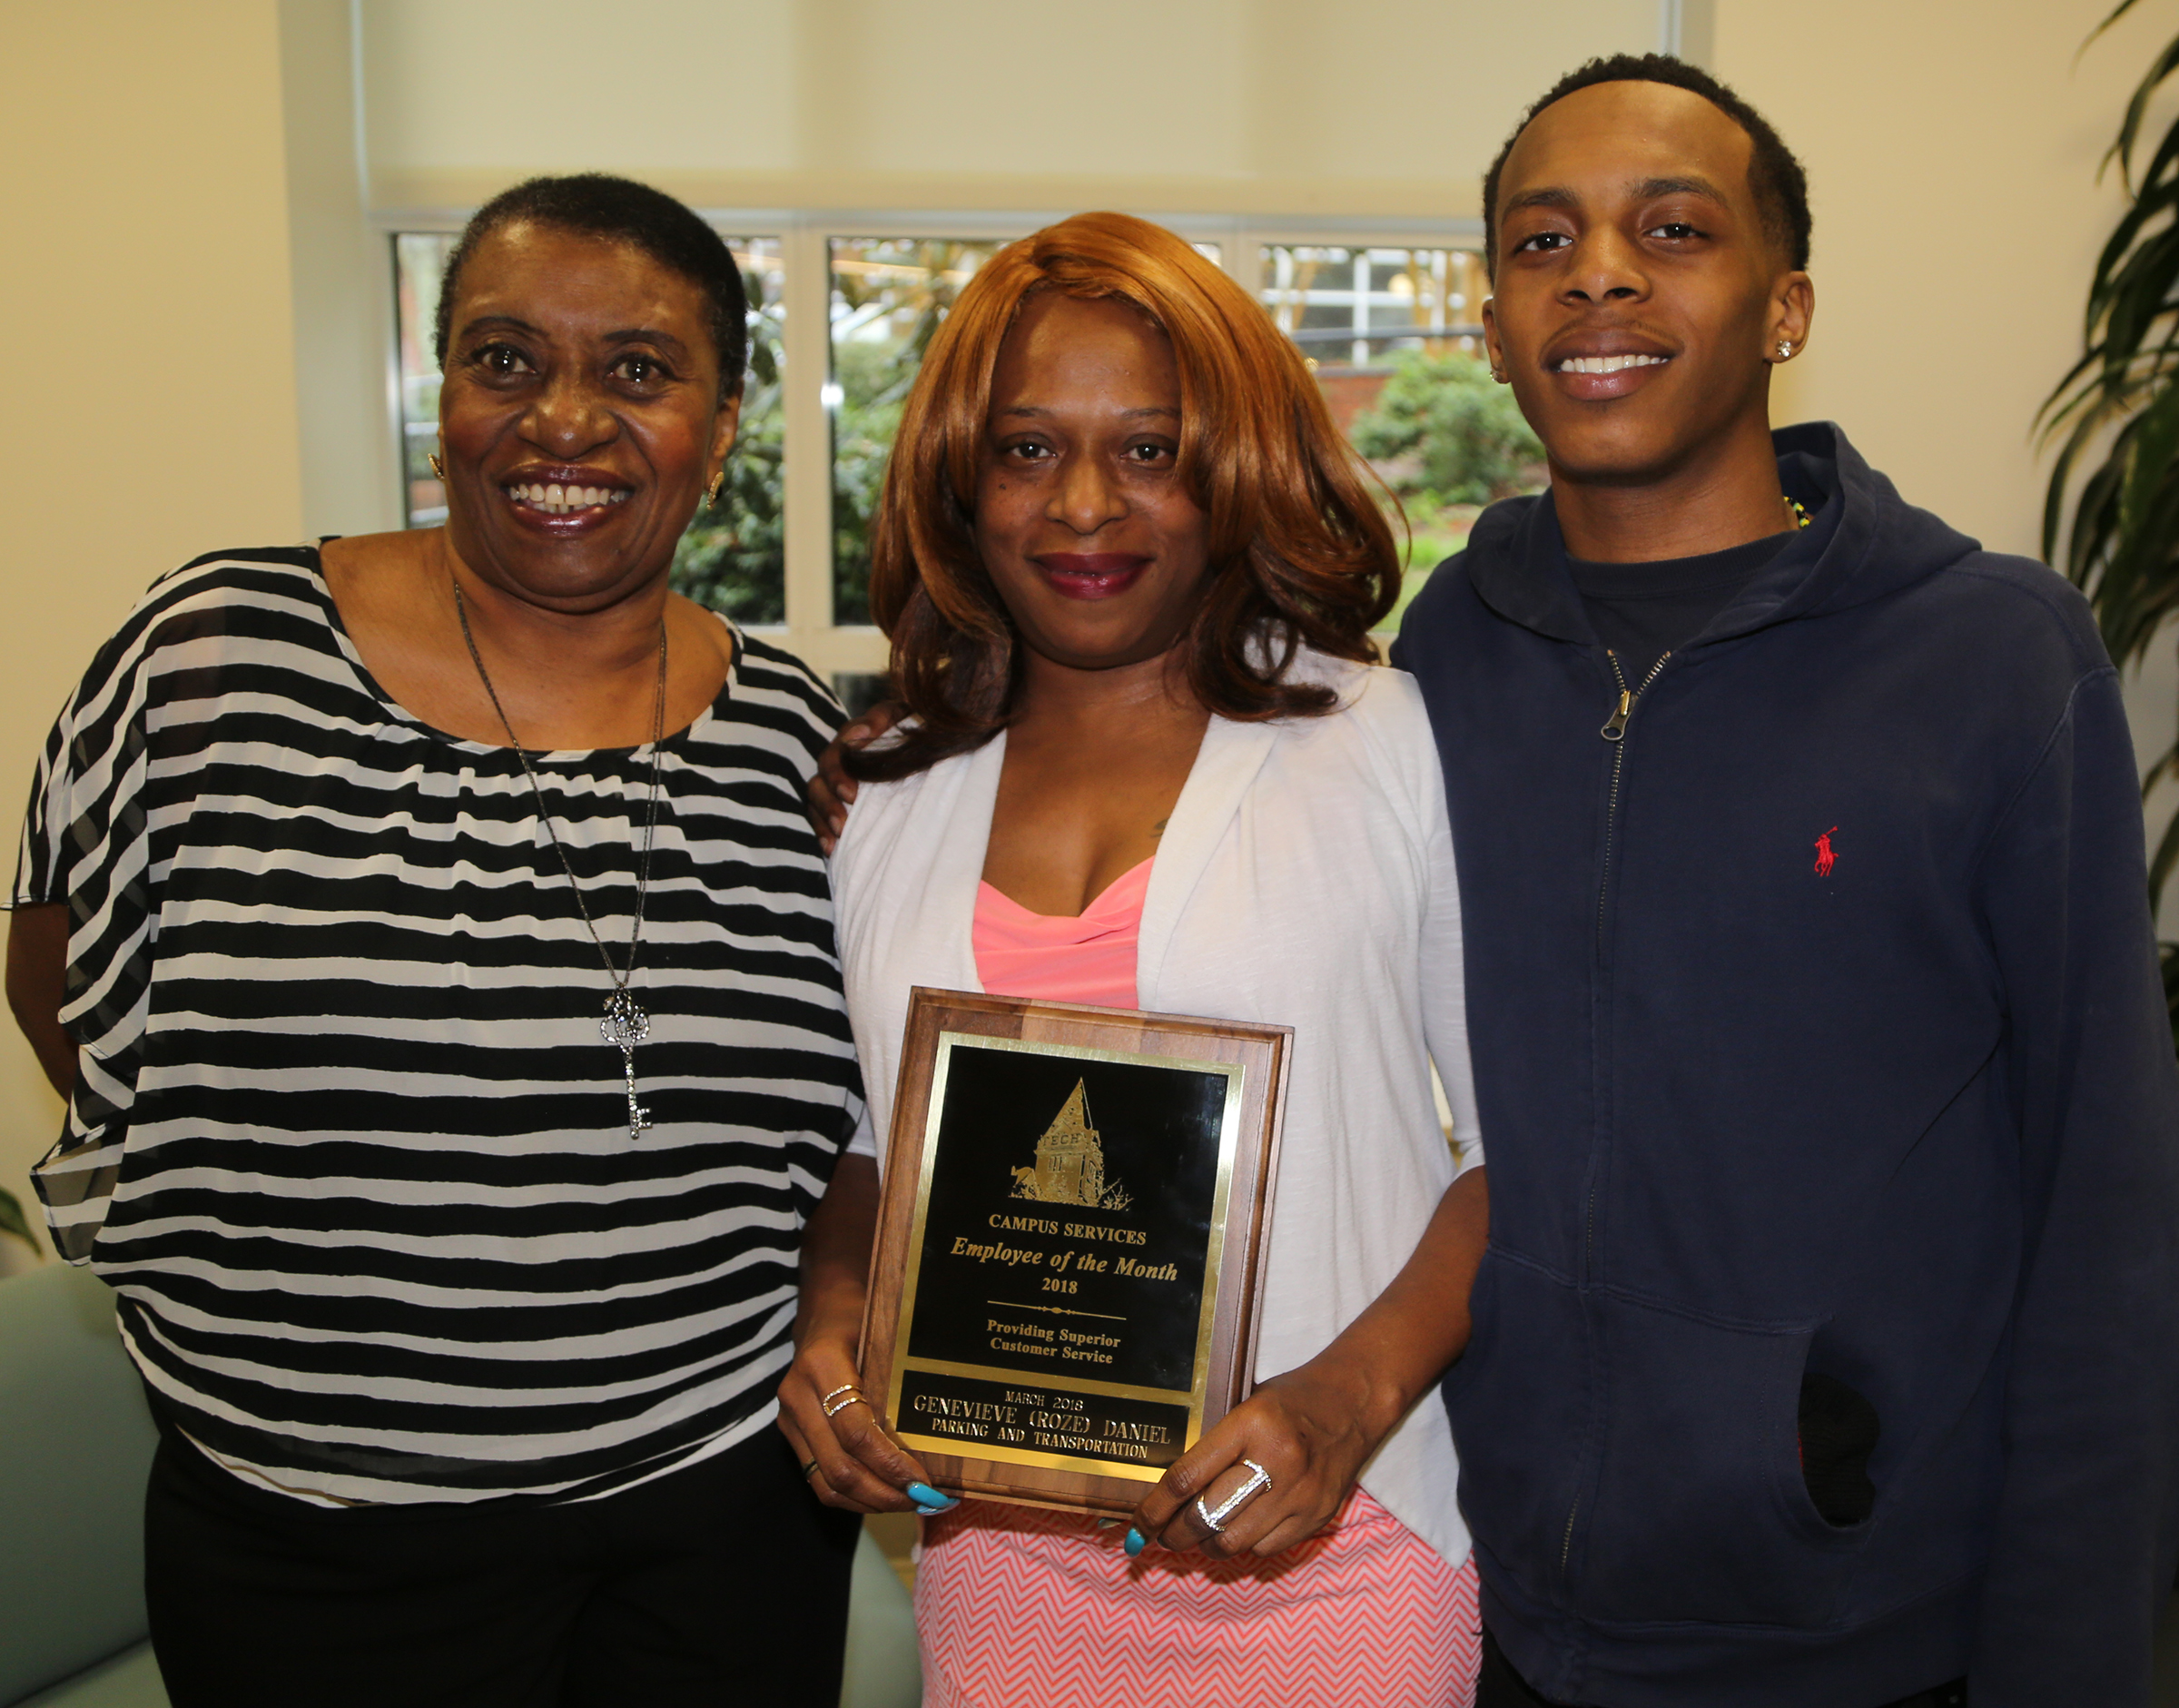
831 791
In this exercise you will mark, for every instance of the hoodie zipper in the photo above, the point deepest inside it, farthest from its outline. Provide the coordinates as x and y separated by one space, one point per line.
1615 732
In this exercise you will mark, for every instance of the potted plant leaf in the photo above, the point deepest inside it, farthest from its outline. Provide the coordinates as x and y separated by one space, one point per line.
2115 418
13 1221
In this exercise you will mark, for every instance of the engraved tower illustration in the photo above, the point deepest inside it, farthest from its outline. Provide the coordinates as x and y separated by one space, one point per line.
1070 1162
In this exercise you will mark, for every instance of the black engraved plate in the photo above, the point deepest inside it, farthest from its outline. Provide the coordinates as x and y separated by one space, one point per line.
1067 1244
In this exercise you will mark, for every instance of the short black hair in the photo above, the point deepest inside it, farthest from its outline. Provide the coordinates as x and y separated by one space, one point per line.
1775 178
618 210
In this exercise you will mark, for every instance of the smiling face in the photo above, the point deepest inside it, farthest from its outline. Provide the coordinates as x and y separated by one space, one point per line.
580 415
1639 300
1083 521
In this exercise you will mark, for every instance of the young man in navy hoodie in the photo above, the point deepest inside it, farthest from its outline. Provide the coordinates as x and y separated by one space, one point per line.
1826 1352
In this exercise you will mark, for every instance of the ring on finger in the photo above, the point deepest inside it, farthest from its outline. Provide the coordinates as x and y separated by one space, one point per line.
840 1400
1215 1518
808 1469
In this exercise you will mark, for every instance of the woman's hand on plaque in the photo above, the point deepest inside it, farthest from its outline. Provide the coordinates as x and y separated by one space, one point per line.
831 790
848 1461
1274 1470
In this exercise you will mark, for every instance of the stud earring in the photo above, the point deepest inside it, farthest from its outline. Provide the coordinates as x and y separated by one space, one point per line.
1785 350
1499 375
710 492
439 466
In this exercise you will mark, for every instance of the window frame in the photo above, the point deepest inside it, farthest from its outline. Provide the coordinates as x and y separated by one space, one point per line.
804 237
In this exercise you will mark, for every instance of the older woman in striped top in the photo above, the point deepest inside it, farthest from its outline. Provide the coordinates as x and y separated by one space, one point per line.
425 933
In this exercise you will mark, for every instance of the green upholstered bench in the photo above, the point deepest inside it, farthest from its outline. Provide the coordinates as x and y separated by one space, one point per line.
75 1444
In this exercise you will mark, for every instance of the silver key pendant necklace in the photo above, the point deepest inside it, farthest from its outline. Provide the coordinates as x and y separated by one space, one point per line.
624 1024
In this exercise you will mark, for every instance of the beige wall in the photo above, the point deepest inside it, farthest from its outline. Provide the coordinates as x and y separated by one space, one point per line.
151 394
1952 149
188 184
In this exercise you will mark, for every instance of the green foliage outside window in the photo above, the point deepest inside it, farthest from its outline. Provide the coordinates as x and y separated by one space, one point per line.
733 559
890 296
873 382
1443 432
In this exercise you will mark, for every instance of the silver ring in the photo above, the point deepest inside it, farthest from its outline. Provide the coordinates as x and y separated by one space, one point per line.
1216 1517
852 1398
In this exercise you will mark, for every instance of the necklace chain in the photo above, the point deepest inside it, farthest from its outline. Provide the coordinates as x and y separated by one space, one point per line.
626 1024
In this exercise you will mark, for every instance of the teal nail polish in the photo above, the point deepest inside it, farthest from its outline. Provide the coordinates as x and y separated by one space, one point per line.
929 1500
1136 1542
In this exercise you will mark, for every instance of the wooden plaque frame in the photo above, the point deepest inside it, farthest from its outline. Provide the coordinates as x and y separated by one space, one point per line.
1254 1059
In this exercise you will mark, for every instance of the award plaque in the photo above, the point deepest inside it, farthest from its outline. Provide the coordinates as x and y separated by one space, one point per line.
1063 1293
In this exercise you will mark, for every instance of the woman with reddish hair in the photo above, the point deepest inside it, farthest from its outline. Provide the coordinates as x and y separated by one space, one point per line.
1129 568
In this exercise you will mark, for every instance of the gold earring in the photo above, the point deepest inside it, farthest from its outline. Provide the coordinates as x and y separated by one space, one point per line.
439 466
710 492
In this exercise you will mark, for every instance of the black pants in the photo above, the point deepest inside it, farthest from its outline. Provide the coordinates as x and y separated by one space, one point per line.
1500 1687
725 1582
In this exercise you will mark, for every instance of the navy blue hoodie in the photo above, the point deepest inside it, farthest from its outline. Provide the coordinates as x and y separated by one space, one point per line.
1820 1047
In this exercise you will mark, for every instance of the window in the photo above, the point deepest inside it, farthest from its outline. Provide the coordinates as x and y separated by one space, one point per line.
1354 306
419 262
888 297
1395 336
839 320
734 558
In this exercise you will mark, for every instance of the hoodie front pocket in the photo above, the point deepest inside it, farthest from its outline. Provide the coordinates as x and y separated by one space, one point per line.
1519 1408
1699 1511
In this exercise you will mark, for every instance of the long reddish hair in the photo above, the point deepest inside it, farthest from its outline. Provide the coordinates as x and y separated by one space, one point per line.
1300 554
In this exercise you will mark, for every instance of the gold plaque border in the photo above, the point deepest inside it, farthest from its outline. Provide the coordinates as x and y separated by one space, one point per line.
1030 1456
1235 1074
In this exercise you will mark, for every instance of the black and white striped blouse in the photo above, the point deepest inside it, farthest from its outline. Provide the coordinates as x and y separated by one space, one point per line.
346 1139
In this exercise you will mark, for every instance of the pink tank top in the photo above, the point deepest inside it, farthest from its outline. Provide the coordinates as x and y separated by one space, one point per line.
1061 960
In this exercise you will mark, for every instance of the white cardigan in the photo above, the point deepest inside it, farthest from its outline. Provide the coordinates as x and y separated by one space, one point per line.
1305 878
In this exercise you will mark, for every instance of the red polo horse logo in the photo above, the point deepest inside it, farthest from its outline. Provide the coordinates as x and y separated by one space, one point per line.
1825 858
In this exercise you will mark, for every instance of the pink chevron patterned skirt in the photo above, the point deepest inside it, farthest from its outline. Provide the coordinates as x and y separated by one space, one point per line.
1018 1608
